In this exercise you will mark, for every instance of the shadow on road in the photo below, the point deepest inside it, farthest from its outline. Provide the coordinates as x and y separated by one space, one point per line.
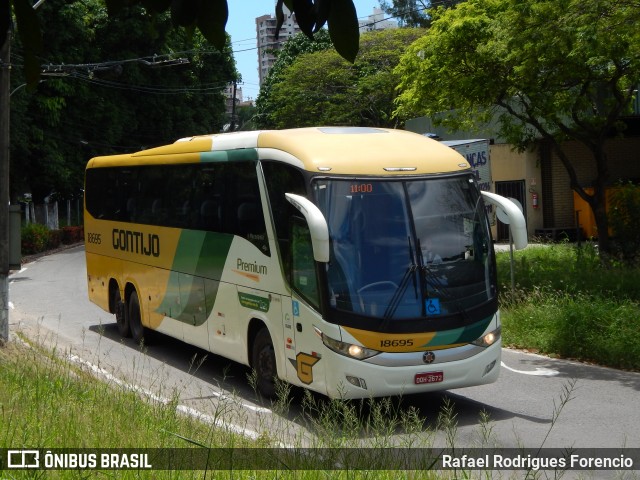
234 377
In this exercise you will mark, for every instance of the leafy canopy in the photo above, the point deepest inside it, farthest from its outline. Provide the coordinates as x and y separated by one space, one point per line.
118 105
555 68
321 88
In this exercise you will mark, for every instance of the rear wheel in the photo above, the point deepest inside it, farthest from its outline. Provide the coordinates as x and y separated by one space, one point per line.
122 319
134 317
264 363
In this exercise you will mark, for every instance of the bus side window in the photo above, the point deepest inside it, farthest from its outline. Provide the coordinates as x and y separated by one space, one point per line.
280 179
243 208
303 267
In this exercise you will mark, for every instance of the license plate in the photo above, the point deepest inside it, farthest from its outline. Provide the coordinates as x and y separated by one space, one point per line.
428 377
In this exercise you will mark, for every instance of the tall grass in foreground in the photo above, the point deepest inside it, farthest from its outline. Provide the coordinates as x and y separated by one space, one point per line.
46 402
565 303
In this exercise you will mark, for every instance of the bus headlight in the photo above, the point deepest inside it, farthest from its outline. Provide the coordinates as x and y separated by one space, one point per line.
488 339
347 349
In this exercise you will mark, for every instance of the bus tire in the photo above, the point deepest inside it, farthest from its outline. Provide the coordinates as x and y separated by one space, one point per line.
264 363
135 320
122 319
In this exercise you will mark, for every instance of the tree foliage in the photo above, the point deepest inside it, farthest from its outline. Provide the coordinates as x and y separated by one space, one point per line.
321 88
550 70
107 98
285 57
208 17
413 13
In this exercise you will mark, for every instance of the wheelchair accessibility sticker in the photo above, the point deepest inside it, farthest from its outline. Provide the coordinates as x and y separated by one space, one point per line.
433 306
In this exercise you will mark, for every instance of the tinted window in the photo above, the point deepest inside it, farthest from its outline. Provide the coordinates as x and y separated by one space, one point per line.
222 198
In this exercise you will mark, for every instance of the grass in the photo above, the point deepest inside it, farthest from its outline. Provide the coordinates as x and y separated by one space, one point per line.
47 402
566 304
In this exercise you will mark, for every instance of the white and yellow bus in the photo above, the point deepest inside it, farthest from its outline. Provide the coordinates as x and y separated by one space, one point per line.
355 262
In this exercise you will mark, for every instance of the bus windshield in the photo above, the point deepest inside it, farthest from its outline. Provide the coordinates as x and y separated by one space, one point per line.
406 249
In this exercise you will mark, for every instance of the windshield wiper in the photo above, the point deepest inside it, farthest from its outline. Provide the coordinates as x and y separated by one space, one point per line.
397 296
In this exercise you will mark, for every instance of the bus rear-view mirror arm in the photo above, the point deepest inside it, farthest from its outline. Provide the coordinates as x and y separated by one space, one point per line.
317 226
517 223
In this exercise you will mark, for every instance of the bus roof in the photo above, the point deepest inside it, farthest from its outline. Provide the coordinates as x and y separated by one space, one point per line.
334 150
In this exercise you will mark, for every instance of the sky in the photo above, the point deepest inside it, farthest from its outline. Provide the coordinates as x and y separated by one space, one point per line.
241 25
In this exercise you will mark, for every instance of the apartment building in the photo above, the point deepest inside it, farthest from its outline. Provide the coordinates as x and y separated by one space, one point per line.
267 42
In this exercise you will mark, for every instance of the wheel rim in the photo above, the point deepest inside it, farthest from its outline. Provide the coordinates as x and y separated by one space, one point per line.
266 363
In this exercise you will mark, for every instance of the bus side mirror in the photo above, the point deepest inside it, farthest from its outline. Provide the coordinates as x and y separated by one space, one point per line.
317 226
517 223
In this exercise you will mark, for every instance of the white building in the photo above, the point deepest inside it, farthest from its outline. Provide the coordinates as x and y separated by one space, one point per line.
376 21
267 42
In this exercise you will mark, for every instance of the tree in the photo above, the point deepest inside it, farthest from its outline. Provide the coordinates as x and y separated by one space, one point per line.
409 13
413 13
285 57
209 17
321 88
547 70
116 104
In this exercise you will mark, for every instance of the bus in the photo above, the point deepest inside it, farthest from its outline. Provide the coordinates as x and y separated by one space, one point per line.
306 255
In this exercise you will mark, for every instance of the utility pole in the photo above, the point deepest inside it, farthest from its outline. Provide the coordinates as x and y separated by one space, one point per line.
5 85
232 127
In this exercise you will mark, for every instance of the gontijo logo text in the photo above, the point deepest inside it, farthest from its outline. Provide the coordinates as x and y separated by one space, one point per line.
136 242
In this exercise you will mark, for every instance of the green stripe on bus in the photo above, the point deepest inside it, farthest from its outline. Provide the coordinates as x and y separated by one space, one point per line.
238 155
460 335
198 264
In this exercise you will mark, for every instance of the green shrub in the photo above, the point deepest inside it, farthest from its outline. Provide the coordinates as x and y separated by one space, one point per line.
35 238
567 304
624 217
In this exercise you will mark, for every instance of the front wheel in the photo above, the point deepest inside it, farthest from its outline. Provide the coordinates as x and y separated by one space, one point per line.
264 363
135 319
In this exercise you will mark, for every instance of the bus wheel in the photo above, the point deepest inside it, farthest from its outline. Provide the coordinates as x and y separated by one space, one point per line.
135 322
264 363
122 319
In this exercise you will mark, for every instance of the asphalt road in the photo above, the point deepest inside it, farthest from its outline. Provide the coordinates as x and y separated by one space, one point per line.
49 304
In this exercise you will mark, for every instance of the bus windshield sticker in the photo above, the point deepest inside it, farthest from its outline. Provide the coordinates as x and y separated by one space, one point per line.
433 306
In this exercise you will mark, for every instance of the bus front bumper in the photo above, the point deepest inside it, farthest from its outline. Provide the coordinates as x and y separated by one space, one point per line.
349 378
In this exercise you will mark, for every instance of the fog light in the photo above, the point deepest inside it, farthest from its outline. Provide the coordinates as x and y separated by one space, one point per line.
489 367
356 382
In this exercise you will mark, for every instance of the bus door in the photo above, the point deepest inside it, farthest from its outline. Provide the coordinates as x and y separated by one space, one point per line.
301 315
